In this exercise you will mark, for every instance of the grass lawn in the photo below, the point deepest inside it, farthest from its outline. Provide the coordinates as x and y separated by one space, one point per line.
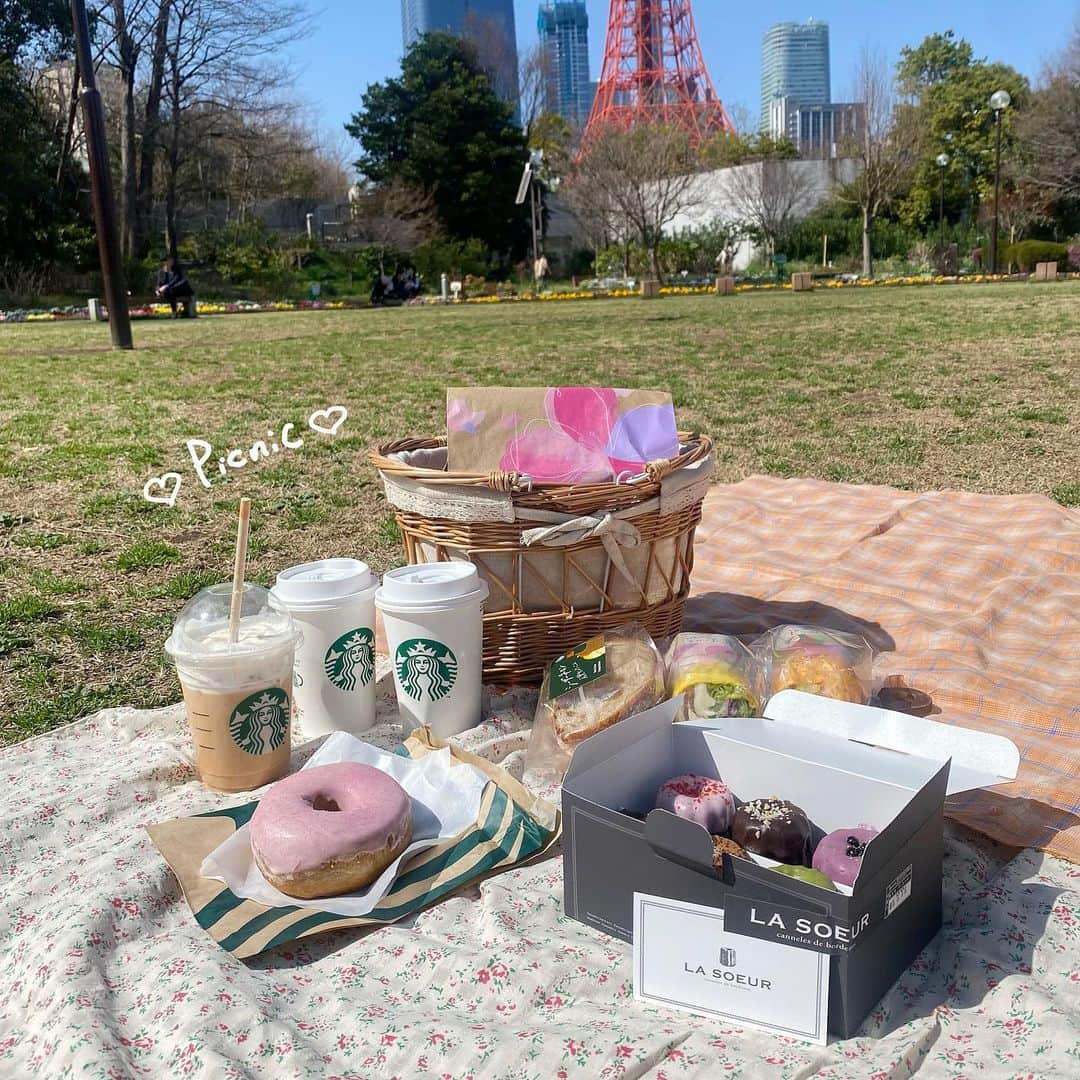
975 387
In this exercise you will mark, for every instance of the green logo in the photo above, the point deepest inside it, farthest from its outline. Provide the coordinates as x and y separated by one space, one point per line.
259 723
425 667
350 661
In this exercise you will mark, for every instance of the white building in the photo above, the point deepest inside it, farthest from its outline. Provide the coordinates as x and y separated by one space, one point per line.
788 190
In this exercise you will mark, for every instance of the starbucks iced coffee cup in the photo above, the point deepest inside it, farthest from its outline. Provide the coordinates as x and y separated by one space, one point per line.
433 618
333 603
238 694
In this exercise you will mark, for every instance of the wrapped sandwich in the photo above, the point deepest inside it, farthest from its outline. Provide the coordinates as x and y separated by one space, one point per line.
604 680
817 661
715 675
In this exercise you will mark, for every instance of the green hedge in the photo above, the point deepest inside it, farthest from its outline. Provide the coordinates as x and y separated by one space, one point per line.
1027 253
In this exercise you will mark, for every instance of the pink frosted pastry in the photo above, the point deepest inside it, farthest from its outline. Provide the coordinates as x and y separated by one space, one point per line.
839 854
698 798
330 830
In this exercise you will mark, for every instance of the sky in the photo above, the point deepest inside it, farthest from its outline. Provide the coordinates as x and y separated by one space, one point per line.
357 42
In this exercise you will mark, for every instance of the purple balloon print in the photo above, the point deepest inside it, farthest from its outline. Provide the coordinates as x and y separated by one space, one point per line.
644 434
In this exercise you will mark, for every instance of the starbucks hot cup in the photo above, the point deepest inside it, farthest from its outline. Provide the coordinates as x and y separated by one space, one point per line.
333 603
433 617
237 693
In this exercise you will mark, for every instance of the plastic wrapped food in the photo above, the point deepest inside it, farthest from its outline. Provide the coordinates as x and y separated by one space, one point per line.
715 675
604 680
817 661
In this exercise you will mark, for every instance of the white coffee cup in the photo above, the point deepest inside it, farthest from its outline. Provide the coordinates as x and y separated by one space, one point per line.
333 603
433 615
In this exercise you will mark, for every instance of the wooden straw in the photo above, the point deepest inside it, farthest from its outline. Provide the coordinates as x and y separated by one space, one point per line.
238 568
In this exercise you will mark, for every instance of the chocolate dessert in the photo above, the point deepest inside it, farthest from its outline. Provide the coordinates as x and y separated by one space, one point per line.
774 828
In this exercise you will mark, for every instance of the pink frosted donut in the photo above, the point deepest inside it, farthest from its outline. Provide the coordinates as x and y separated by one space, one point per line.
330 830
698 798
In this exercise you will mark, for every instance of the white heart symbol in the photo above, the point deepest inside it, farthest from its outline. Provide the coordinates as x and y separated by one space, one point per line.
316 420
167 497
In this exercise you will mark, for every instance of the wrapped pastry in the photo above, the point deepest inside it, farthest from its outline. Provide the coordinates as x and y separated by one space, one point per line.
715 675
817 661
604 680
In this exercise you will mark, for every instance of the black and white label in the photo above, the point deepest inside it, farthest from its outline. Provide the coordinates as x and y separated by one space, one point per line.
789 926
898 891
684 958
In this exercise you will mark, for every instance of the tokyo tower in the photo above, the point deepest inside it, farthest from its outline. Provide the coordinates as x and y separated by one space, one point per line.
654 72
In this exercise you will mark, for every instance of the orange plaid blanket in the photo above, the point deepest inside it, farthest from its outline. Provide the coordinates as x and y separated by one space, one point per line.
974 599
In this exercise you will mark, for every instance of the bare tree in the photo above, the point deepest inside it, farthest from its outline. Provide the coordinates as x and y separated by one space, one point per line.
535 76
129 24
393 217
216 61
644 177
886 151
1050 129
767 196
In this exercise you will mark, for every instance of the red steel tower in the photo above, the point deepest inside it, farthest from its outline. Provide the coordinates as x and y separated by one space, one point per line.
654 71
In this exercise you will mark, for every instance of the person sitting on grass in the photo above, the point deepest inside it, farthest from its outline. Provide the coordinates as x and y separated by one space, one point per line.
172 286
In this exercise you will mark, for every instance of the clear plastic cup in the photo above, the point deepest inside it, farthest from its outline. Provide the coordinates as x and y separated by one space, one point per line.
238 694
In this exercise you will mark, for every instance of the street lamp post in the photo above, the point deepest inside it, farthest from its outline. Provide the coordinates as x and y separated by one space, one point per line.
943 161
999 102
97 152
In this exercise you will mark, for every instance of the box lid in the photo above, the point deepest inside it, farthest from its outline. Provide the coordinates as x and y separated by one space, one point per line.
979 759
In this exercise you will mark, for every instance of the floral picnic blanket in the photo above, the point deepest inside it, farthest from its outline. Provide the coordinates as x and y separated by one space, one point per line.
109 975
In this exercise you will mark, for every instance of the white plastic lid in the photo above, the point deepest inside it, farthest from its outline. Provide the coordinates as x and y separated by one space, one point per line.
431 586
201 632
323 583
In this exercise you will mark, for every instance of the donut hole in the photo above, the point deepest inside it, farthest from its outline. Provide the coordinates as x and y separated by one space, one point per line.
324 802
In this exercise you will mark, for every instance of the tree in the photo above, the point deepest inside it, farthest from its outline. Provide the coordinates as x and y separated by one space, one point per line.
1050 131
886 151
440 127
39 219
393 218
646 176
949 91
767 195
932 62
215 63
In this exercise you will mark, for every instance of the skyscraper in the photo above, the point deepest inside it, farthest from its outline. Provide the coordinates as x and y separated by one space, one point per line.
563 26
795 64
489 24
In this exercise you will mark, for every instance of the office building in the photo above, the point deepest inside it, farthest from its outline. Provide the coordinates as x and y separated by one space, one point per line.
489 24
795 64
563 28
818 131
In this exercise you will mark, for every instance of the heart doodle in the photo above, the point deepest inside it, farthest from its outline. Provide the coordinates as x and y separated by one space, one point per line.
327 421
167 496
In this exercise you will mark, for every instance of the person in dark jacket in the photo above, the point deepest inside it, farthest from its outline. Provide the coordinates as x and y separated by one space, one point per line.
172 285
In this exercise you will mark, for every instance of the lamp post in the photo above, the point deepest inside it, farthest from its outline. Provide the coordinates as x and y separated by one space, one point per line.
97 152
999 102
943 161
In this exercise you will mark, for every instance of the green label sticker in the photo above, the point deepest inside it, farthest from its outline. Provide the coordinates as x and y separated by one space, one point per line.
259 723
350 662
580 666
425 668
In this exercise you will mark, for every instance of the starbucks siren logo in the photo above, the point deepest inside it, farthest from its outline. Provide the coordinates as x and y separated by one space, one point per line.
350 661
259 723
425 667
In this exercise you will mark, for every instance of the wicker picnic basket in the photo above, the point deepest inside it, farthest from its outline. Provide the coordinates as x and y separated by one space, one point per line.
562 562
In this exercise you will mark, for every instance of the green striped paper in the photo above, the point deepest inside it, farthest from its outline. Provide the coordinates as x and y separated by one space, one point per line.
512 826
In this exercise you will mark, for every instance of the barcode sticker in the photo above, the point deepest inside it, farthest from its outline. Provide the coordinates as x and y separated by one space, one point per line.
898 891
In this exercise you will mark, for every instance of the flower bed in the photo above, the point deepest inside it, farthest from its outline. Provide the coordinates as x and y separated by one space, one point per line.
232 307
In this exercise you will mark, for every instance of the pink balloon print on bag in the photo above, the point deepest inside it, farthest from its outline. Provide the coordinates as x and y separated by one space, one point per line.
583 439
